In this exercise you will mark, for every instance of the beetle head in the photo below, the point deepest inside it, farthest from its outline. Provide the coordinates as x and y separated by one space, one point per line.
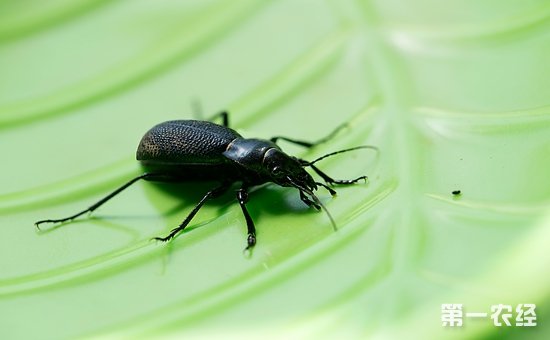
287 171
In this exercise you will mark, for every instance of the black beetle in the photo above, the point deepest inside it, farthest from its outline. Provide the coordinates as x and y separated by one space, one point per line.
195 150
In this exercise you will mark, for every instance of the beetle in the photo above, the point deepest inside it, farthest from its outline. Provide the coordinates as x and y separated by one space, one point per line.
197 150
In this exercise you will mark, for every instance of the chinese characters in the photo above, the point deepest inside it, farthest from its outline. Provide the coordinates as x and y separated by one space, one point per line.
452 315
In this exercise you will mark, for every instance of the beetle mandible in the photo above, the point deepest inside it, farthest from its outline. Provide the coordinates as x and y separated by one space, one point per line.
196 150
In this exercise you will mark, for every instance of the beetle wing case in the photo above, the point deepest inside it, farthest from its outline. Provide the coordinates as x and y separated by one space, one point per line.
185 142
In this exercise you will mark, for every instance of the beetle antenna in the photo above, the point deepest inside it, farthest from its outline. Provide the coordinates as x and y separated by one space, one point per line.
315 199
324 208
307 163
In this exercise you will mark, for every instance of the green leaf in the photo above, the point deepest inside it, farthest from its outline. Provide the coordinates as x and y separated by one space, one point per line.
454 94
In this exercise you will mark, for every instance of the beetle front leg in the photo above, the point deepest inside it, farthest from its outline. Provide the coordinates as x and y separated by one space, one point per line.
242 197
330 180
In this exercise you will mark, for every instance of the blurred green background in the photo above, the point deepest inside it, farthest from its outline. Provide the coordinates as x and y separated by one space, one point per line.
455 94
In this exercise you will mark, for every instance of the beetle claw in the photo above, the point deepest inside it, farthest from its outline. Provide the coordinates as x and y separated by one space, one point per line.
162 239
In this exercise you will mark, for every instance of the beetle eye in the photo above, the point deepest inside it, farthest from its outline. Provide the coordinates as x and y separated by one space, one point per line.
276 171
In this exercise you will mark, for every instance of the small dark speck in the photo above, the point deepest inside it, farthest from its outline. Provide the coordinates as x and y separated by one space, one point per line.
456 192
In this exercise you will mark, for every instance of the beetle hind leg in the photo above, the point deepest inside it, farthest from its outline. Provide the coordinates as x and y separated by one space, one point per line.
99 203
224 115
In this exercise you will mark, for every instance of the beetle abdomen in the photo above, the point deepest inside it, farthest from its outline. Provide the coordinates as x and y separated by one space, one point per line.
185 142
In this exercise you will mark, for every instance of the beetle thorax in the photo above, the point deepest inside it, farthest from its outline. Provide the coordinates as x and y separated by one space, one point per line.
248 152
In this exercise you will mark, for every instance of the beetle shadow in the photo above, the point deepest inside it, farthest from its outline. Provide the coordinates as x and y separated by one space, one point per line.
264 201
189 195
274 201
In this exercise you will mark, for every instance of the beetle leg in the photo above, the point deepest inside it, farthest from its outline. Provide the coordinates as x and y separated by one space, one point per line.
209 195
307 144
102 201
224 116
197 110
329 189
330 180
242 197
